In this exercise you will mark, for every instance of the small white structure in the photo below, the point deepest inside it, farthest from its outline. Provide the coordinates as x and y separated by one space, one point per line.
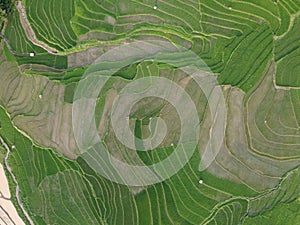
31 54
200 181
230 8
40 96
155 7
172 144
265 121
13 147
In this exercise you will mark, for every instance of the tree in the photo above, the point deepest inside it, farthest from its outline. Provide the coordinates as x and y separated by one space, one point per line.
5 5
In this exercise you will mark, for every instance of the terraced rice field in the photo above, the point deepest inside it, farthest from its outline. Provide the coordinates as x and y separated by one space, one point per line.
251 47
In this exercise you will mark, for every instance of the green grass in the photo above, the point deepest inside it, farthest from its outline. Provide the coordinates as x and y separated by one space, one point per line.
295 96
8 55
59 62
67 77
69 92
2 154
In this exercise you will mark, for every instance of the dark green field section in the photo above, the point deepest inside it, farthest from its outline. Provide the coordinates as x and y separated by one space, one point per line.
66 77
58 62
53 25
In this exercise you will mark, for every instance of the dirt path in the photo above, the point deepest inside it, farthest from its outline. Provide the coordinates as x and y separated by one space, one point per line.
29 31
15 181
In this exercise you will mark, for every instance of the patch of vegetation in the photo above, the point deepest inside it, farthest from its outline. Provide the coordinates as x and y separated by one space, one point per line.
295 96
287 55
249 60
2 154
232 212
47 179
5 8
22 47
53 25
287 213
59 62
8 55
6 5
278 206
17 39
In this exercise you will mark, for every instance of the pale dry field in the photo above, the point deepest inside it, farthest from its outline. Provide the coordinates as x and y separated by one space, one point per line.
8 212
